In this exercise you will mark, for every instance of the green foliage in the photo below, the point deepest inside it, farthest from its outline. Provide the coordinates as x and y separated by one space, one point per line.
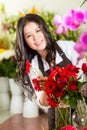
71 35
11 23
8 67
48 17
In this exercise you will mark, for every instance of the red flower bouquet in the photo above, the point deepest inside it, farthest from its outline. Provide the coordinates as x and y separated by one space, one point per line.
64 85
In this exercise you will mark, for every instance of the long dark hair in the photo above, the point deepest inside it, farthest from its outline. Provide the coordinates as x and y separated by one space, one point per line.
24 52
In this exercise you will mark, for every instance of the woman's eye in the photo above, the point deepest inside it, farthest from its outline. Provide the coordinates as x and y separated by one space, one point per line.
28 36
38 30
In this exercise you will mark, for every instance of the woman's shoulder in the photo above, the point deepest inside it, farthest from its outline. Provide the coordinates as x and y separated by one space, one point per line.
67 46
68 49
65 43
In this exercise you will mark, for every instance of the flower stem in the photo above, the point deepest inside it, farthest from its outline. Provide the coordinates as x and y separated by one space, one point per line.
61 114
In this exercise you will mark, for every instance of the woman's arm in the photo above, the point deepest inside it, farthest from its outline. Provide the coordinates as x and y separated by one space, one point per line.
41 95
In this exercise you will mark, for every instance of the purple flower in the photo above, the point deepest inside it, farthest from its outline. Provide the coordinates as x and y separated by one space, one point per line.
74 19
83 39
60 27
85 13
81 46
58 20
79 16
84 90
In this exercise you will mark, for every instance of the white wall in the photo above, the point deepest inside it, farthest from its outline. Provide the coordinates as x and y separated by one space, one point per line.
58 6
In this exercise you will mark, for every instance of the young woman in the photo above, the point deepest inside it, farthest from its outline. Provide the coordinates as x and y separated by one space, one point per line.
35 43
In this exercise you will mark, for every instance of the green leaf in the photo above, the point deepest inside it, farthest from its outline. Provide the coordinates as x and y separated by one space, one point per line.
73 102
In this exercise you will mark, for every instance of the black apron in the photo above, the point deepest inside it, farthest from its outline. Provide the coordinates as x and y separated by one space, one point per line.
52 111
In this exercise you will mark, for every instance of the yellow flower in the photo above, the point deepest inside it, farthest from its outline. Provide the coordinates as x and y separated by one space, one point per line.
6 54
2 50
33 10
22 14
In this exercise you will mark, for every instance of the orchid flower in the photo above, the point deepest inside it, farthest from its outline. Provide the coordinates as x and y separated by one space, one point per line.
70 22
73 20
60 27
81 46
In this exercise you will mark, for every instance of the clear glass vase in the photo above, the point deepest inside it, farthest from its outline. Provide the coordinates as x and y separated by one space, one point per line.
79 116
63 117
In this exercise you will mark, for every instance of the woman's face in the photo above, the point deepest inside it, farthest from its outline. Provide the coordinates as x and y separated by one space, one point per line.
34 37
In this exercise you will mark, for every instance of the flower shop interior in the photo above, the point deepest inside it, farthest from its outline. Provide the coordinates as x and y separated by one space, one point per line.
16 111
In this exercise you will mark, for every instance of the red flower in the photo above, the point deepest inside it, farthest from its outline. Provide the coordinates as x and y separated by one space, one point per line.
84 68
68 128
36 84
72 86
84 128
50 86
71 71
28 66
52 102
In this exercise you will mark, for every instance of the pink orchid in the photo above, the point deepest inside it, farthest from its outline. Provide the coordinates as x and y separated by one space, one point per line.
74 19
60 27
85 13
81 46
83 39
58 20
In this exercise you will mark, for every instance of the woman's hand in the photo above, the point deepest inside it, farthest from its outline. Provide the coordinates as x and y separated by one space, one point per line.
62 105
43 98
42 81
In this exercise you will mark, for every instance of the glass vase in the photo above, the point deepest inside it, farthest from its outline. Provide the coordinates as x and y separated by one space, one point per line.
63 117
79 116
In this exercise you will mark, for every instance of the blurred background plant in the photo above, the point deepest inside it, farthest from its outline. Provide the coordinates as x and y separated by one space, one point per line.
9 25
8 32
7 64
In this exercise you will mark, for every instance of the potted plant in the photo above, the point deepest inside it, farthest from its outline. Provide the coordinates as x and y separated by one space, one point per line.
7 63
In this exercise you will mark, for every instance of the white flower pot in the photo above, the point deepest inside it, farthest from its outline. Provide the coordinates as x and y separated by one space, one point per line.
16 105
4 101
4 93
30 109
15 88
4 84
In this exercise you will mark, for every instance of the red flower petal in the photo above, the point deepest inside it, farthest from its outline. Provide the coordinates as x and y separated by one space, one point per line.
28 66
